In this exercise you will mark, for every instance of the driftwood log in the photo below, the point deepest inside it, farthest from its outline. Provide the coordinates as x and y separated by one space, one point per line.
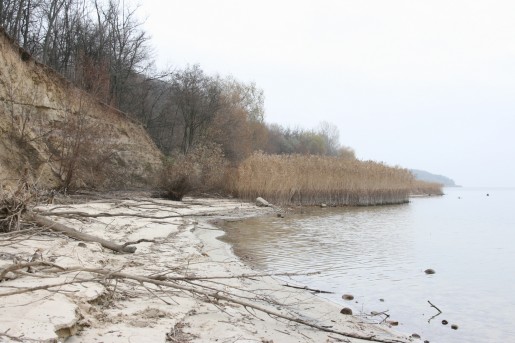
72 233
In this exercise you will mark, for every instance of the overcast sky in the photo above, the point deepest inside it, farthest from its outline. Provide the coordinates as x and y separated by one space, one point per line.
420 84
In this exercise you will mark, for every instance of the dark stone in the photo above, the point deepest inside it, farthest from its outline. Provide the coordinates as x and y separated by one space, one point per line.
415 335
454 327
444 322
381 300
393 322
429 271
348 297
82 245
346 310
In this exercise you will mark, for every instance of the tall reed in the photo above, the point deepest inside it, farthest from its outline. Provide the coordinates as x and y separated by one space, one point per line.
313 180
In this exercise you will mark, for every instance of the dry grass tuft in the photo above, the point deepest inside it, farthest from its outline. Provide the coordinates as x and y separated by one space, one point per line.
312 180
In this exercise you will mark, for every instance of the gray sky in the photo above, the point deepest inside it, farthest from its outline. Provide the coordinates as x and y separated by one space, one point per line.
420 84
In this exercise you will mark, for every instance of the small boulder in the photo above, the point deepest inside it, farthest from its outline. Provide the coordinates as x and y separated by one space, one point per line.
454 327
415 335
444 322
346 310
429 271
260 202
392 322
348 297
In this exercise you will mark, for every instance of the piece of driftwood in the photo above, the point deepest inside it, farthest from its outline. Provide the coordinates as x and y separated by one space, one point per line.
122 214
308 289
81 236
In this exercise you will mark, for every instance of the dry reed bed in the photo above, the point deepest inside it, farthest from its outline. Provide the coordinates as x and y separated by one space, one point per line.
312 180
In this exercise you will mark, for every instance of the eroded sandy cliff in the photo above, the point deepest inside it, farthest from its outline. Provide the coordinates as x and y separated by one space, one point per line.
56 131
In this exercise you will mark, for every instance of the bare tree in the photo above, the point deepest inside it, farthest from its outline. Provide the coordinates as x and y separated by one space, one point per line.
197 98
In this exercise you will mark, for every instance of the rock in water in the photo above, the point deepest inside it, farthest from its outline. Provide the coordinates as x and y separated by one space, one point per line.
429 271
347 297
262 202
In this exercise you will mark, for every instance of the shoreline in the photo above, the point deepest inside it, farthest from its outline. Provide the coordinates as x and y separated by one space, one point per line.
121 310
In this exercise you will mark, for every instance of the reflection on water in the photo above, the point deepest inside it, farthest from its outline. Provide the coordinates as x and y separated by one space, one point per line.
381 253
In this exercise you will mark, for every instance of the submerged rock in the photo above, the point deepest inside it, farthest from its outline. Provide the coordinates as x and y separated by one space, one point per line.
429 271
348 297
454 327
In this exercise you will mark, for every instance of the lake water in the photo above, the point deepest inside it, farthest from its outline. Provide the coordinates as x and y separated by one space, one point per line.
379 254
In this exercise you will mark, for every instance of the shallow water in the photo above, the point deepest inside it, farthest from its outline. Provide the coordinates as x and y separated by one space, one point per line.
377 253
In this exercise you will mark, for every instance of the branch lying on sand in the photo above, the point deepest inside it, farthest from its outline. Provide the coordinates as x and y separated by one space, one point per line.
218 295
105 214
72 233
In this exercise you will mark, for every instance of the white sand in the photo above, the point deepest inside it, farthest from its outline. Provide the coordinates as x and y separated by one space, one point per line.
126 311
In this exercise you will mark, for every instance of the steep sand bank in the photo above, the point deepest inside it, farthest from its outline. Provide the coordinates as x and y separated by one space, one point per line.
180 242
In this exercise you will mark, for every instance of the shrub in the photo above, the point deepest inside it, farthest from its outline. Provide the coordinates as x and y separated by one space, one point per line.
201 170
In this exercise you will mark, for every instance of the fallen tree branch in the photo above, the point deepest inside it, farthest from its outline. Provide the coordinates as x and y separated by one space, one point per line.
142 240
219 296
121 214
308 289
72 233
436 315
432 305
18 266
43 287
240 276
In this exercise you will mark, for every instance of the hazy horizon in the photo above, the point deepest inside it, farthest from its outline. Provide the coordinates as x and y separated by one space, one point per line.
423 85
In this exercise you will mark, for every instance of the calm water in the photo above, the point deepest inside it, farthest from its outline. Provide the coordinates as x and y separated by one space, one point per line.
376 253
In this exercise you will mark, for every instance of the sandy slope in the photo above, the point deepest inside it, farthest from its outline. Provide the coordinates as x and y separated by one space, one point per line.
106 310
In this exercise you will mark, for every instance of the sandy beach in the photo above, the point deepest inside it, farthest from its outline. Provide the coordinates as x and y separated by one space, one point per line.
180 285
